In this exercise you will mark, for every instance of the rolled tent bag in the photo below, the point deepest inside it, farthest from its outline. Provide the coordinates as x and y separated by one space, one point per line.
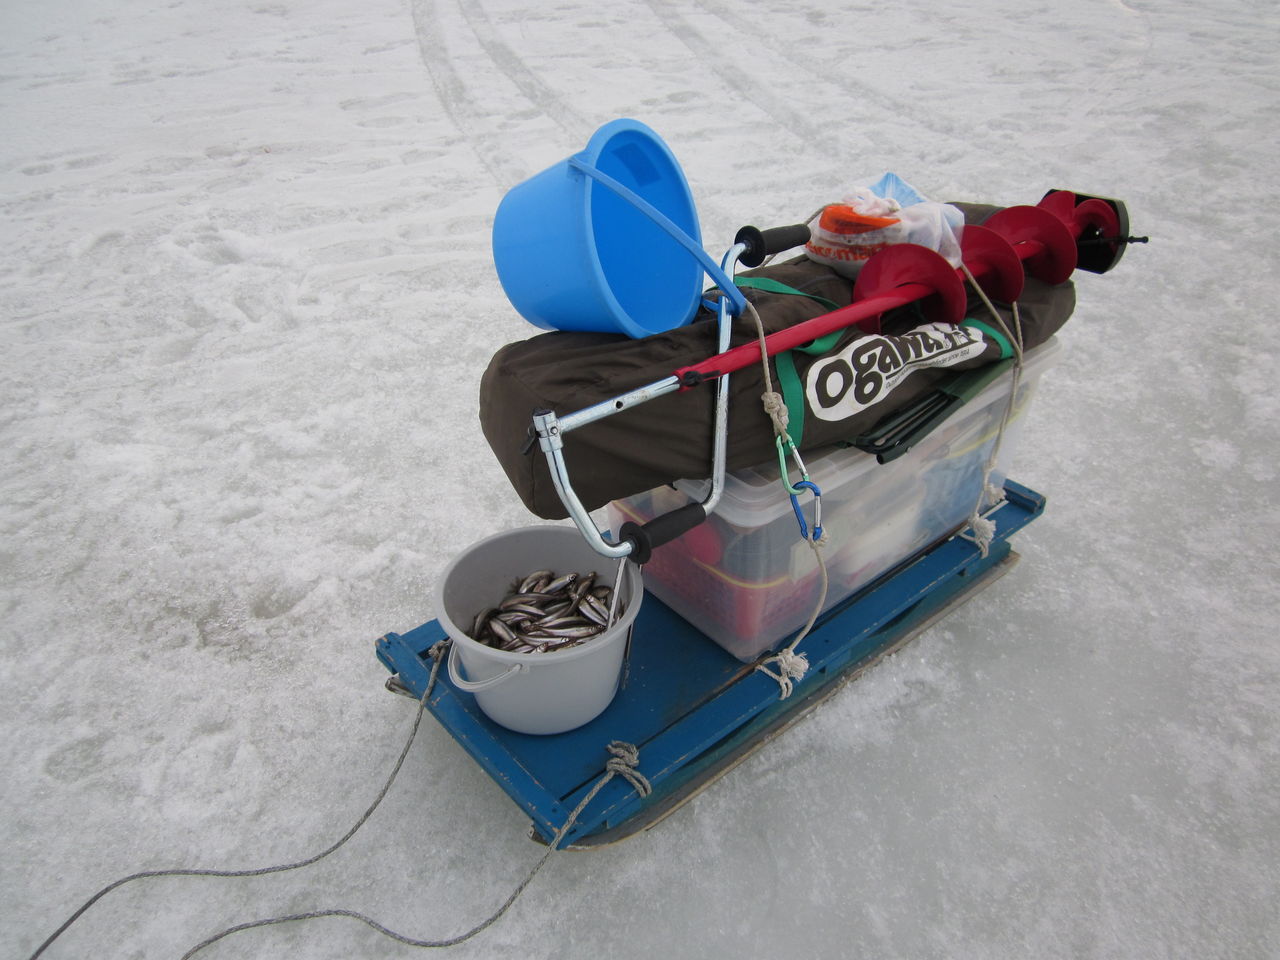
833 396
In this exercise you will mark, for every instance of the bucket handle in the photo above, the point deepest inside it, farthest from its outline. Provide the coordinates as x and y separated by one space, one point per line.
478 685
731 291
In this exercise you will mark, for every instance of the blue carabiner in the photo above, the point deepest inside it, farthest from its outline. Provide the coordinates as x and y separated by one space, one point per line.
817 509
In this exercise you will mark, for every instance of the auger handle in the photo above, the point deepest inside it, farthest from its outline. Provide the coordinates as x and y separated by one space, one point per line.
765 243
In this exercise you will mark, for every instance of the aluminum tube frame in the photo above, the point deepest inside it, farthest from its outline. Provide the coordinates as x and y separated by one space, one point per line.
624 401
550 430
720 441
550 440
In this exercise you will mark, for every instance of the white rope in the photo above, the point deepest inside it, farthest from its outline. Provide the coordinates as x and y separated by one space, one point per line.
792 666
777 411
624 760
984 529
437 653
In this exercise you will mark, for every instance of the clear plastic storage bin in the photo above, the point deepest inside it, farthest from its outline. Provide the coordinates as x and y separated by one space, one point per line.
747 580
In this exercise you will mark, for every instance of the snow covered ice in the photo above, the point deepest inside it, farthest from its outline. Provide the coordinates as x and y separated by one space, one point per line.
246 298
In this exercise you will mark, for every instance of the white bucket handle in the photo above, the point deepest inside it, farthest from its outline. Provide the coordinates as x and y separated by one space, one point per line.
479 685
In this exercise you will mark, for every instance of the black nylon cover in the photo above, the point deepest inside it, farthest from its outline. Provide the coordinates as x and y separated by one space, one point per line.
671 437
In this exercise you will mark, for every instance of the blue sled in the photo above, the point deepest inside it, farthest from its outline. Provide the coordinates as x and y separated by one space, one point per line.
693 710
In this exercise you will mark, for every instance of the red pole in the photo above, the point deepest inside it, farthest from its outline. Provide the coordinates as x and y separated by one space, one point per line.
801 333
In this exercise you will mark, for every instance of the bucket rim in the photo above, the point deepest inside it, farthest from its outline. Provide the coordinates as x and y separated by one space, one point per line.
591 154
632 582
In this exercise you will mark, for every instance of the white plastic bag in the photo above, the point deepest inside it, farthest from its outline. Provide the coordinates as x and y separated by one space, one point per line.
877 214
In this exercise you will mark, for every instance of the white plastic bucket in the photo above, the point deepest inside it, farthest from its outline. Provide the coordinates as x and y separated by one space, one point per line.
537 693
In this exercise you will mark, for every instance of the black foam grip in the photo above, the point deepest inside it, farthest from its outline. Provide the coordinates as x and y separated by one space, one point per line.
660 530
765 243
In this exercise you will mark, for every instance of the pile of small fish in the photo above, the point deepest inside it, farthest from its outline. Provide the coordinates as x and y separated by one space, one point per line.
545 612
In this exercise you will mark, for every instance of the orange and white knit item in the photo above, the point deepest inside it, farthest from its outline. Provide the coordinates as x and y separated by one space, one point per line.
844 238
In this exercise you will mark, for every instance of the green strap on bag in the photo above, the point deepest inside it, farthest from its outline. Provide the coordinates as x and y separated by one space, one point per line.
1006 348
788 377
769 285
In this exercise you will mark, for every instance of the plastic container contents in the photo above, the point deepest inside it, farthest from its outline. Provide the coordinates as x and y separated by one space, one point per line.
747 580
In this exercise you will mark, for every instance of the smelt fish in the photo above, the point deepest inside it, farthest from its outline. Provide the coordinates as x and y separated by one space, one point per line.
594 610
478 625
544 612
528 583
501 630
560 583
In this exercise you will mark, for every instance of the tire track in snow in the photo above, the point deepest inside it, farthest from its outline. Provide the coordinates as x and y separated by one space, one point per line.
1123 71
915 122
534 89
526 81
707 53
777 108
474 124
783 113
466 114
914 113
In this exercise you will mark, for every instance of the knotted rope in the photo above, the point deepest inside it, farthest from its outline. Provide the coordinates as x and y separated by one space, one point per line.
777 410
624 762
791 666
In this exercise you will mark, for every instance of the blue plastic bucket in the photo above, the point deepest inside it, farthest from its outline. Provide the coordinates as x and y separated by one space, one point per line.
607 240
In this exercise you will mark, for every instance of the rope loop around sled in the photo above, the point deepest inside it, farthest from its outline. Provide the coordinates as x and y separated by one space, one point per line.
624 761
787 667
982 529
791 666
